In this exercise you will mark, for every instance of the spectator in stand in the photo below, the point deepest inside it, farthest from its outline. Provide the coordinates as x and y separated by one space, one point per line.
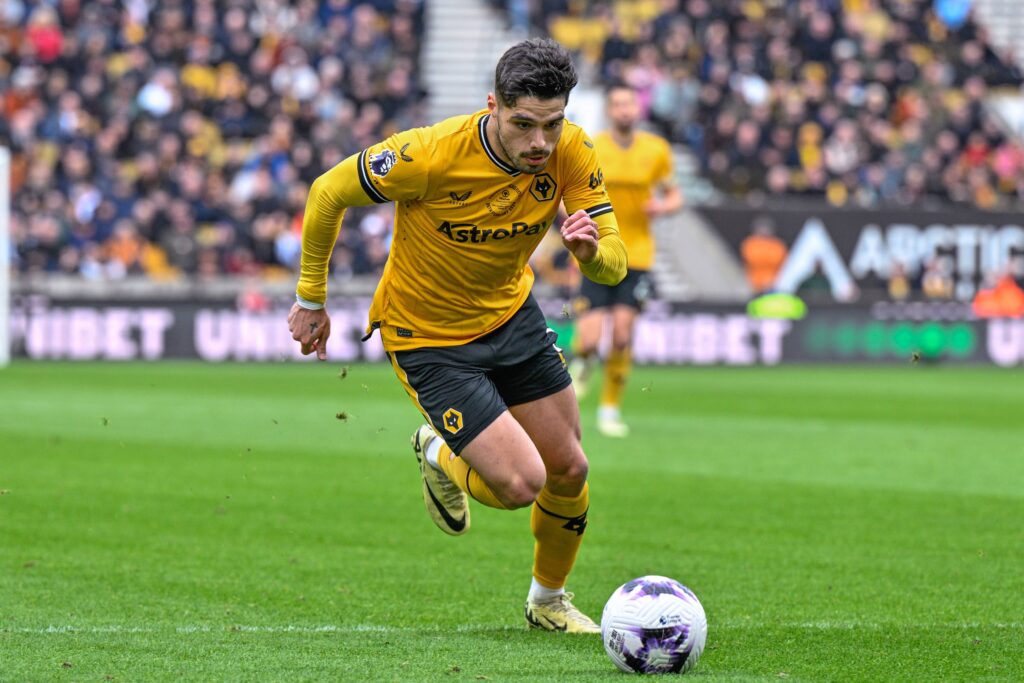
180 137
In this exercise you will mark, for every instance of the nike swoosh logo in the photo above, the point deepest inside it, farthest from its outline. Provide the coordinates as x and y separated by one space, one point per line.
453 524
536 622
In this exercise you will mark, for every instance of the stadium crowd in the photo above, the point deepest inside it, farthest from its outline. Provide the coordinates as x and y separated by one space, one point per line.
864 102
181 136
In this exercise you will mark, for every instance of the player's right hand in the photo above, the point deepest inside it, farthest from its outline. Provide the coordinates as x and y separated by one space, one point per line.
580 236
311 329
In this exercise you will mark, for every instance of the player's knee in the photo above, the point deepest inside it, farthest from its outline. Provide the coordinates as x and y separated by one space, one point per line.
568 478
585 347
519 491
621 342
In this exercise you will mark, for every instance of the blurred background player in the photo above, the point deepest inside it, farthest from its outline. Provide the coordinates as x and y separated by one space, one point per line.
636 167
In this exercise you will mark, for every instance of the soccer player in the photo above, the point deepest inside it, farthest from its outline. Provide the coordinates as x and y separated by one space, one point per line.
475 195
638 171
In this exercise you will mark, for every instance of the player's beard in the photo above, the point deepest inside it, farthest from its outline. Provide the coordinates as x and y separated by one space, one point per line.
624 129
514 159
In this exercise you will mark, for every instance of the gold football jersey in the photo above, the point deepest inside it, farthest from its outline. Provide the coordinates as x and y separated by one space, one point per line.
466 224
631 175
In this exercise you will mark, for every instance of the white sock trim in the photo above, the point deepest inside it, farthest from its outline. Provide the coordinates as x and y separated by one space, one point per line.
432 451
611 413
539 593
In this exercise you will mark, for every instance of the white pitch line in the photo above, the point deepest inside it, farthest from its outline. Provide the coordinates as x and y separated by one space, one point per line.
239 628
468 628
850 625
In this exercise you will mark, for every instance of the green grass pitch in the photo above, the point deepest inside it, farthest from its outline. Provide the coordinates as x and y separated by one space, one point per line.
197 522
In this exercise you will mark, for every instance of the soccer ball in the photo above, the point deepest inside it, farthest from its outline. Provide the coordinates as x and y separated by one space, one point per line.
654 624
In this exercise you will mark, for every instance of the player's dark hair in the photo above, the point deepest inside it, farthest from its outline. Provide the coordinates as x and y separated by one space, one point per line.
618 84
538 67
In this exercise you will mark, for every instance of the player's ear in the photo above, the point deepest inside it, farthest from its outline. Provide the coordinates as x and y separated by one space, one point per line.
492 103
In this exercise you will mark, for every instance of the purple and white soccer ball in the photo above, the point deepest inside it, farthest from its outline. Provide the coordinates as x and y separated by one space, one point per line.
654 625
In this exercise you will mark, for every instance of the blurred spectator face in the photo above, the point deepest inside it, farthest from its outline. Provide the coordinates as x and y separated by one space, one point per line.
190 181
975 88
846 132
234 20
623 109
876 99
398 83
332 70
726 124
778 180
748 136
915 179
281 130
821 25
76 163
782 138
972 54
204 19
947 142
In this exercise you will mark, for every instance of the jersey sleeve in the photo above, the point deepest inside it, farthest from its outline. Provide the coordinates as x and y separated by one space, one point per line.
396 169
584 178
584 189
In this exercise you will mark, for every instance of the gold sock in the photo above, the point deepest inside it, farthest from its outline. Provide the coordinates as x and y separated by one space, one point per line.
466 478
558 523
616 372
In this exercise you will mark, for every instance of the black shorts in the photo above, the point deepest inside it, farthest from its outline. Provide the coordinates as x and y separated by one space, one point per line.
634 291
463 389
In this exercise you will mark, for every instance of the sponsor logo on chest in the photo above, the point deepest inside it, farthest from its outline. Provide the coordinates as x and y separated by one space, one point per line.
473 234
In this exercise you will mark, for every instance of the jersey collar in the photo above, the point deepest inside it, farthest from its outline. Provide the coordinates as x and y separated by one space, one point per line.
498 161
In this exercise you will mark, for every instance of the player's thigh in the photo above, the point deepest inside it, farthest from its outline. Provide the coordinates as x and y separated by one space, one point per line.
539 395
588 330
452 389
505 456
629 298
553 424
635 290
593 295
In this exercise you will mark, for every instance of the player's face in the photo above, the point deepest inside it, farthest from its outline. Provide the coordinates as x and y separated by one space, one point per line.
623 109
528 132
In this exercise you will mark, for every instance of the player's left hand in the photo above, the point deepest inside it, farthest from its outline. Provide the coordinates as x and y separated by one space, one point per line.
579 235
